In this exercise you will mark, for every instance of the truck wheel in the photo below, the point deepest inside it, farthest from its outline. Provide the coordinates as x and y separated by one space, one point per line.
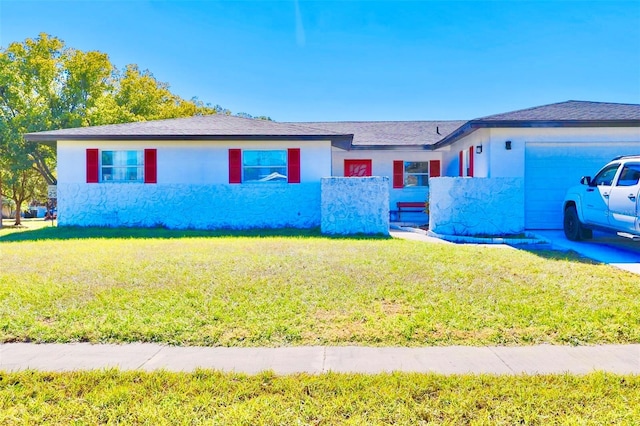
572 227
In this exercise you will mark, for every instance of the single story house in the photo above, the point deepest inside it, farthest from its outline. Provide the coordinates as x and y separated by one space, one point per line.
221 171
202 172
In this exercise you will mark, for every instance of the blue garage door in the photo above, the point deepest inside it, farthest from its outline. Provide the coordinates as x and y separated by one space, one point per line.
552 167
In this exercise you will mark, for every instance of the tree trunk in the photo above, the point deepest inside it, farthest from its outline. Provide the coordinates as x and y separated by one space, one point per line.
18 218
41 166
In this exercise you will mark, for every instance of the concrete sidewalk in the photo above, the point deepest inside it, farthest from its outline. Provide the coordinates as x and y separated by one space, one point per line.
542 359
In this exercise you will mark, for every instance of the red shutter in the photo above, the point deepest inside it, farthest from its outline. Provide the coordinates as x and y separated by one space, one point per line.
434 168
293 164
461 164
150 166
92 165
235 166
470 162
398 174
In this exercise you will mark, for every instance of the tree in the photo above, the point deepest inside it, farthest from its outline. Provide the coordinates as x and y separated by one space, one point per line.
23 185
46 86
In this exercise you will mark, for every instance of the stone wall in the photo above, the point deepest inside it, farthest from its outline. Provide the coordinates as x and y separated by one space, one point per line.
274 205
476 206
355 205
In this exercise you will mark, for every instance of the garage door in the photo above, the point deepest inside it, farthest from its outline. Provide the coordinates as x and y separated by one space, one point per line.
551 168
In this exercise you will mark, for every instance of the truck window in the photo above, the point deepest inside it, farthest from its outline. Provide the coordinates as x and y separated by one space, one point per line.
606 175
630 175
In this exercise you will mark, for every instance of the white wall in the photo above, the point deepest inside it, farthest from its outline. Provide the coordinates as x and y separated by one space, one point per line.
382 165
193 162
496 161
478 206
192 189
355 205
480 161
180 206
519 137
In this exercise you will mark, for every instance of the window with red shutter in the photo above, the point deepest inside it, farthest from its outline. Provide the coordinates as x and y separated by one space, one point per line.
235 166
293 165
93 165
150 166
434 168
398 174
470 173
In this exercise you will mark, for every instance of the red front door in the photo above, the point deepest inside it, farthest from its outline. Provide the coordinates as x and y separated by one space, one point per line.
357 168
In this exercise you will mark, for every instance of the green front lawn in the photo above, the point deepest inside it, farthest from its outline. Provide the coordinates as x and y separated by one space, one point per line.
206 397
199 288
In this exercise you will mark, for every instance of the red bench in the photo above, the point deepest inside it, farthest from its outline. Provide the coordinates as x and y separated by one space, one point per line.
409 206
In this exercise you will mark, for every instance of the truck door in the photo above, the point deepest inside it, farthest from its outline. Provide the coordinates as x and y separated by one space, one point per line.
596 196
623 198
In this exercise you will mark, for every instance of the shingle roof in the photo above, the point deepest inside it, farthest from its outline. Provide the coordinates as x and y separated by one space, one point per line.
571 111
390 133
356 134
562 114
215 126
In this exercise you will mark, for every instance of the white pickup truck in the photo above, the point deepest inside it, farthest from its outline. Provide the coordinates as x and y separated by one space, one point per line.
610 201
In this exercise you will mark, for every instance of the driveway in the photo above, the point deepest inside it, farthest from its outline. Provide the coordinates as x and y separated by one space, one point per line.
606 248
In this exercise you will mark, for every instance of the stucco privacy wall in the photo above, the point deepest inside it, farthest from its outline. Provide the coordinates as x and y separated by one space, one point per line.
180 206
355 205
476 206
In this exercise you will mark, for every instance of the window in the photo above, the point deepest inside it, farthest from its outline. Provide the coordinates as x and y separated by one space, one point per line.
605 177
357 168
465 163
630 175
122 166
416 173
264 166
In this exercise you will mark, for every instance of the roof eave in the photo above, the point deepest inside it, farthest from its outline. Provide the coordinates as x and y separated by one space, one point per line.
473 125
414 147
37 137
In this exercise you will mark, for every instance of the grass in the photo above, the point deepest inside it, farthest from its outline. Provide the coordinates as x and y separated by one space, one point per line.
207 397
189 288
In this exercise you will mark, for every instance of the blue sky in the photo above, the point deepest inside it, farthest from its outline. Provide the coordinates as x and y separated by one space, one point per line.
358 60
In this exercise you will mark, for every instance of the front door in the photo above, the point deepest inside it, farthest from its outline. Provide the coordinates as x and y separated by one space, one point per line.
623 198
357 168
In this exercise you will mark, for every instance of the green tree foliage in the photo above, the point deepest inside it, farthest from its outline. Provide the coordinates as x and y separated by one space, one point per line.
45 85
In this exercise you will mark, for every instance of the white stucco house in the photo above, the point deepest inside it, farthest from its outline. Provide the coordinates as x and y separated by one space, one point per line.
229 172
201 172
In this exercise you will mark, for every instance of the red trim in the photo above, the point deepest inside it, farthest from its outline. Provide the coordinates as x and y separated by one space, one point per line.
461 164
235 166
357 168
151 165
434 168
398 174
470 174
293 164
93 165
